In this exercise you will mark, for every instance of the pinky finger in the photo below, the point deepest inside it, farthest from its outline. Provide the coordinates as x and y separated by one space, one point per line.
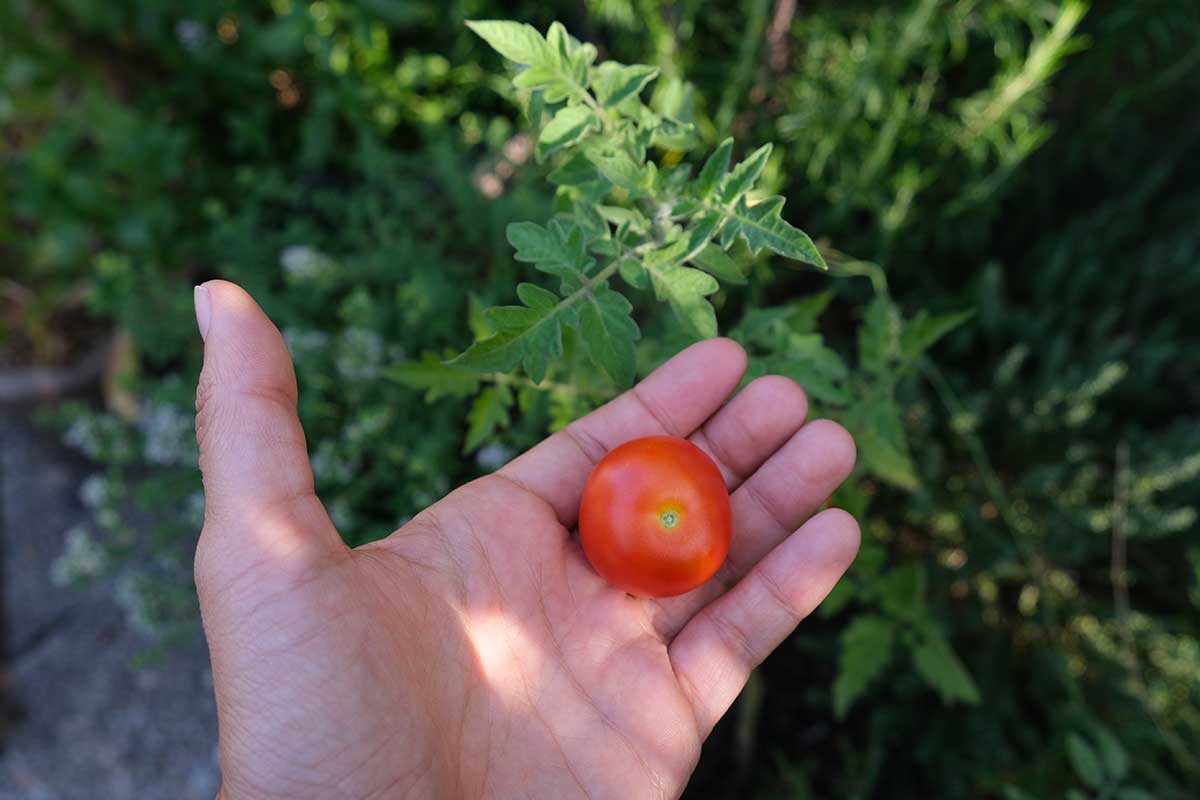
715 652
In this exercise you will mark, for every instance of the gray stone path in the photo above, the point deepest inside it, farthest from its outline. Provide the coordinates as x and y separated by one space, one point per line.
76 721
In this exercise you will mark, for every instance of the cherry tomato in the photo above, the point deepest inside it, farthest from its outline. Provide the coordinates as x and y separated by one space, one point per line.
655 519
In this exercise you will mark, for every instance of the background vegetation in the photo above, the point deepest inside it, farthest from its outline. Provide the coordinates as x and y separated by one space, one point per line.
1023 619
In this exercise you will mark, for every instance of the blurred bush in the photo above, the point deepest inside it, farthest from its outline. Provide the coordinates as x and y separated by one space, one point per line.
1031 564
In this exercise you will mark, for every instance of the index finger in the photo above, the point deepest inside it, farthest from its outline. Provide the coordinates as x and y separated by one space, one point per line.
674 400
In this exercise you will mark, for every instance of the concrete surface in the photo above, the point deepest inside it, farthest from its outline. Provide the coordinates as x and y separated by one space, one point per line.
76 719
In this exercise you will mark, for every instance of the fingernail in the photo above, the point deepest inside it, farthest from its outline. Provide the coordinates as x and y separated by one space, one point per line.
203 309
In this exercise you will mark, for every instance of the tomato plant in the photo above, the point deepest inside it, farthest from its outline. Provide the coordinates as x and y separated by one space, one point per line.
655 518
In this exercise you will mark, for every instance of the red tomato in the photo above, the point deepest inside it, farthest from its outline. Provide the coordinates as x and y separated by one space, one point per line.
655 517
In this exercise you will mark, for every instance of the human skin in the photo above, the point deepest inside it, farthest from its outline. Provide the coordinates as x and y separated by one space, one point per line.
473 652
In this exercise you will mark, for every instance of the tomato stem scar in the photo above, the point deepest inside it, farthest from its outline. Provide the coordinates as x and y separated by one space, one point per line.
669 519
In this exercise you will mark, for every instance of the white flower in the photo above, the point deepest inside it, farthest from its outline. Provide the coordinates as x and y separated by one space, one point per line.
82 557
94 491
132 598
360 354
301 262
194 513
493 456
190 33
169 435
303 342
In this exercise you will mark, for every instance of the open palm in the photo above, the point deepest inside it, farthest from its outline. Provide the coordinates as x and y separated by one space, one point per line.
473 652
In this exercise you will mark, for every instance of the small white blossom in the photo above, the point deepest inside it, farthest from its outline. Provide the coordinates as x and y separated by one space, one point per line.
131 597
303 263
194 510
169 435
82 557
303 343
190 33
360 354
493 456
94 491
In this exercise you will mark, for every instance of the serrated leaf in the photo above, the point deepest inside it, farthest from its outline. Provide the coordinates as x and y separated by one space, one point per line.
866 649
683 288
938 665
743 176
556 250
617 215
437 379
515 41
879 335
761 226
819 370
529 335
569 125
488 414
767 327
621 171
713 260
902 591
633 273
609 334
671 134
714 170
1084 761
1112 753
614 83
882 445
922 331
588 218
574 171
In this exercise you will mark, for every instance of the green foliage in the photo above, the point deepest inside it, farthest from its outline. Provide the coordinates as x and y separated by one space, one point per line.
1014 179
623 215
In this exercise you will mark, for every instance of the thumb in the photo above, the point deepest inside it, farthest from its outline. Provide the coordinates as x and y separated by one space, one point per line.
261 510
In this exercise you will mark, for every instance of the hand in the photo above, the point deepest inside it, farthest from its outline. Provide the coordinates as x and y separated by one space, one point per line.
473 652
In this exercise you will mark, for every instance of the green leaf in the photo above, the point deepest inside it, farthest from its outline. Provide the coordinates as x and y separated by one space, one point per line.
556 250
488 414
743 176
1112 753
633 273
529 335
621 171
577 170
922 331
685 289
1084 761
879 336
902 591
671 134
713 260
437 379
609 334
819 370
767 327
515 41
1134 793
866 649
568 126
617 215
938 665
882 445
761 225
614 83
714 170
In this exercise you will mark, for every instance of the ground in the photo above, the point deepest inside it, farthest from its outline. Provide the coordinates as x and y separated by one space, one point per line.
76 719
